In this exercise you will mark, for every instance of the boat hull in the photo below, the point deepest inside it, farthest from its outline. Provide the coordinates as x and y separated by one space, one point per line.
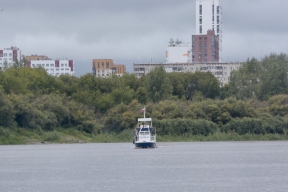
145 144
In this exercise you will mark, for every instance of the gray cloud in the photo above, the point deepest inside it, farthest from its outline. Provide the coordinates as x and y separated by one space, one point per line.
130 31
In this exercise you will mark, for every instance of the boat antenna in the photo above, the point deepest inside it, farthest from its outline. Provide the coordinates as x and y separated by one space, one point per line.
144 111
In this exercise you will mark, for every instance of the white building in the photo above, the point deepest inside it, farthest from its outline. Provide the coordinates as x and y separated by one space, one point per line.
209 17
54 67
8 56
220 70
178 52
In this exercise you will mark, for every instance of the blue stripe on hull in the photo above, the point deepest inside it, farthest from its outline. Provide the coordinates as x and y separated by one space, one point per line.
145 145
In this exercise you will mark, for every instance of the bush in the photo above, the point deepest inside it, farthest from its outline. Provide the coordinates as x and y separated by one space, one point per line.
185 127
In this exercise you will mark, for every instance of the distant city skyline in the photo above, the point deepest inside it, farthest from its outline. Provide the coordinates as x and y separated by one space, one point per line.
136 31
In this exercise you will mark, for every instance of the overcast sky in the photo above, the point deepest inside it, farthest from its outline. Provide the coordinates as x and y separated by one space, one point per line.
136 31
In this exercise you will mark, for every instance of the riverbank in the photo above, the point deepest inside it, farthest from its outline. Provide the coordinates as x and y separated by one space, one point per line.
61 135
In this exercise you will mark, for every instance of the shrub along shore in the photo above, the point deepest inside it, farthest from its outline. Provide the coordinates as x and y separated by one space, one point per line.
38 108
69 136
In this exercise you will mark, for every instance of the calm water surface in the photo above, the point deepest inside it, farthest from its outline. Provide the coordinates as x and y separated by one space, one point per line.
211 166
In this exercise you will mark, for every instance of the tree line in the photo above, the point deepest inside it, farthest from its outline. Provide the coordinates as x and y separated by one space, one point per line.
254 101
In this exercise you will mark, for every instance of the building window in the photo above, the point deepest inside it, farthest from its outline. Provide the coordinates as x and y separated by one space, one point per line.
200 29
102 65
98 65
62 65
200 20
200 9
107 65
10 54
47 65
218 10
218 29
200 44
5 54
218 19
51 65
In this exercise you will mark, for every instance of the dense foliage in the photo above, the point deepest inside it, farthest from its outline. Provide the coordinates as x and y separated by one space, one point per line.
254 102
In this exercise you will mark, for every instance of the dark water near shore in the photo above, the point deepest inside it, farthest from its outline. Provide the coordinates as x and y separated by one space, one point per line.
205 167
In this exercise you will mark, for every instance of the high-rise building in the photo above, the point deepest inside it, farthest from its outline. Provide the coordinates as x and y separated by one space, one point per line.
205 48
209 17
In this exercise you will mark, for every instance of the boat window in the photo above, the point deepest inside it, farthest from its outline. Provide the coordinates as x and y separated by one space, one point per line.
144 129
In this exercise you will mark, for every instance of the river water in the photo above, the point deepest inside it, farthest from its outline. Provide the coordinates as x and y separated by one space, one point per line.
203 166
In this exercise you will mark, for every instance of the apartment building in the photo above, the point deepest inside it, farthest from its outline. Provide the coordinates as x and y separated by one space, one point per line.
106 68
36 57
220 70
53 67
8 56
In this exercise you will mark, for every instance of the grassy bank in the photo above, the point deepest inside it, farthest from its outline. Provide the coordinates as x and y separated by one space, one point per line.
17 136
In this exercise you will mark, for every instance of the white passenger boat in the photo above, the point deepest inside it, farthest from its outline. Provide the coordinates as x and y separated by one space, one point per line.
145 134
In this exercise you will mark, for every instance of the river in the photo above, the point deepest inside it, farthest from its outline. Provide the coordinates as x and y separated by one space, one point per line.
199 166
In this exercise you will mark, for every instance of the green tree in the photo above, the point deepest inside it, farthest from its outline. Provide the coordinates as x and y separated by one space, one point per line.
158 86
7 113
177 81
274 78
245 82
